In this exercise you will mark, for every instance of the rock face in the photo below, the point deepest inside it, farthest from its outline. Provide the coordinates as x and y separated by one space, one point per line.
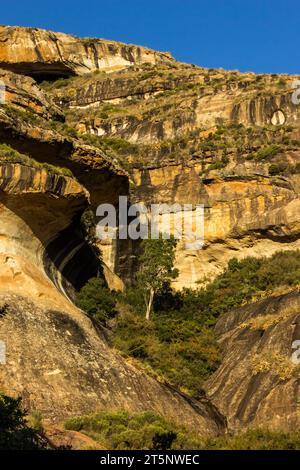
24 93
37 208
79 373
170 117
174 101
257 384
44 258
247 213
43 54
127 120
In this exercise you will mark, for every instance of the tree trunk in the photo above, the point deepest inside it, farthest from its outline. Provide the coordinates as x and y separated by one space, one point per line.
149 306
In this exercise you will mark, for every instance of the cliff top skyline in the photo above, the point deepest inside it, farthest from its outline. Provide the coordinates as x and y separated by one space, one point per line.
255 36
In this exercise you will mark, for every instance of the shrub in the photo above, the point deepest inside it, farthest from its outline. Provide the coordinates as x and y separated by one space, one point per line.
121 430
284 169
277 169
178 344
15 434
217 165
256 439
97 300
11 155
268 151
116 144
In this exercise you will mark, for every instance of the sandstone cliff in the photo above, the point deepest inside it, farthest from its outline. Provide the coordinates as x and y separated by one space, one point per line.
126 120
45 257
257 384
40 243
44 54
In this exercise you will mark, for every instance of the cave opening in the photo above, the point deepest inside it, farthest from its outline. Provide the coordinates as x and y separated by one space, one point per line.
41 71
70 261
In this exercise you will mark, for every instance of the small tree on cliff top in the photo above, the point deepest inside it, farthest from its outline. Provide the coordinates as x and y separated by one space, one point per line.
156 268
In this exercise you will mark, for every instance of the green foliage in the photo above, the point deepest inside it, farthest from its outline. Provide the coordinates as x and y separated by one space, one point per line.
219 164
178 344
268 151
256 439
97 300
88 226
283 168
120 430
62 128
8 154
147 75
156 267
174 344
245 279
282 82
35 420
118 145
27 115
115 144
67 130
15 434
59 83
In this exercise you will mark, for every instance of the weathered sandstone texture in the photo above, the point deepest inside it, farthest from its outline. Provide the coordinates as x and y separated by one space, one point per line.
257 384
126 120
44 54
55 358
170 116
62 366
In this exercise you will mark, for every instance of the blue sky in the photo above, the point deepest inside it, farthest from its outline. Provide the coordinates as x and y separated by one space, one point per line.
257 35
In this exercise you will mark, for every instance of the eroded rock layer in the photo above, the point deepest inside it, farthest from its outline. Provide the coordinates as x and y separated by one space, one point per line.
257 384
126 120
55 358
45 54
62 366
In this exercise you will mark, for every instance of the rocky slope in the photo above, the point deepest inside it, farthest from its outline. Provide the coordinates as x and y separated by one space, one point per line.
48 178
41 242
111 119
257 384
79 372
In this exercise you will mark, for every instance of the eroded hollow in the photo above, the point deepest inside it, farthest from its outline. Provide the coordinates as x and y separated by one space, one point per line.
70 261
41 71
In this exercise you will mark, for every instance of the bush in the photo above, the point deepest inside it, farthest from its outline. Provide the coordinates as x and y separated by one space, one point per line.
115 144
256 439
97 300
268 151
178 344
284 169
121 430
8 154
15 434
217 165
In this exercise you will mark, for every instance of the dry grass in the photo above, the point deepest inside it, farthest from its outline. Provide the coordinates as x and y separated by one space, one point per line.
276 363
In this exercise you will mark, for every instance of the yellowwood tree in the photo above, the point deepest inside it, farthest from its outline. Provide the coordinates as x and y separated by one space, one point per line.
155 268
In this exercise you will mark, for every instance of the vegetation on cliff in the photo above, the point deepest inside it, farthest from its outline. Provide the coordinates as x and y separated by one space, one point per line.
238 126
15 433
178 343
120 430
8 154
97 300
